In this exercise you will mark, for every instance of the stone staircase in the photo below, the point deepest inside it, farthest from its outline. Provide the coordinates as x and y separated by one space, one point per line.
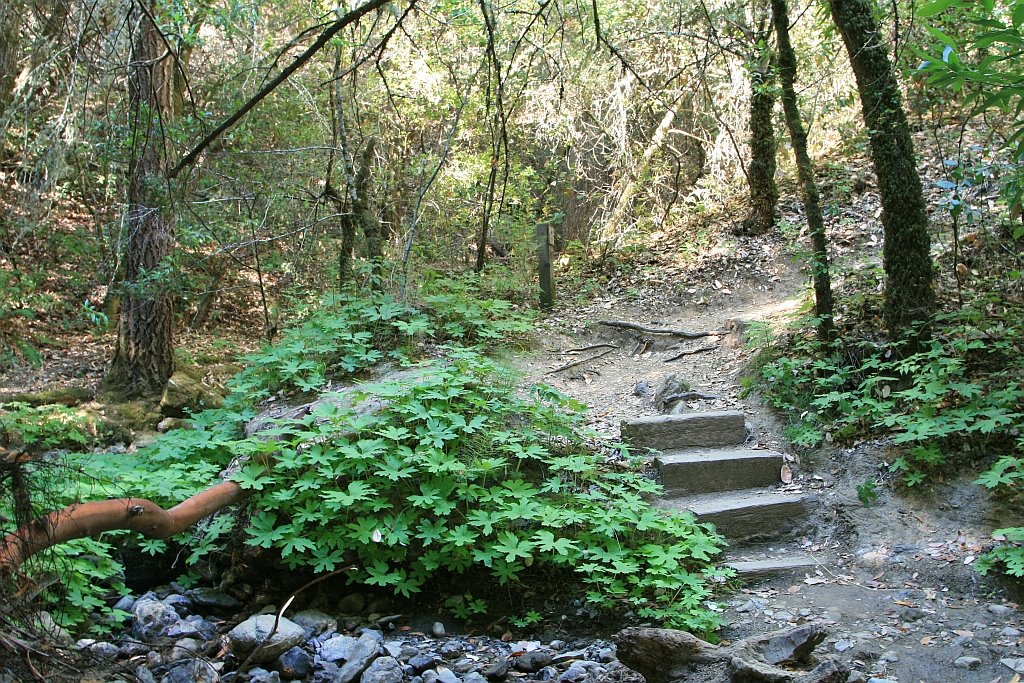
706 469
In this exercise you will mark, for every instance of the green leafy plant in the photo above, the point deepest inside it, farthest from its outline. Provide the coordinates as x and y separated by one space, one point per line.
459 471
867 492
526 620
1006 477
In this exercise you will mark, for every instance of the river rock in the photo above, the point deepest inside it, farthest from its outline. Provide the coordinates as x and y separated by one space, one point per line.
192 671
967 662
293 664
383 670
186 648
251 634
337 648
315 622
152 618
211 598
498 670
533 661
263 676
364 651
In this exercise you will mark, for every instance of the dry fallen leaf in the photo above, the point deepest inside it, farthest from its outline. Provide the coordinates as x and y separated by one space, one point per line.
927 640
786 475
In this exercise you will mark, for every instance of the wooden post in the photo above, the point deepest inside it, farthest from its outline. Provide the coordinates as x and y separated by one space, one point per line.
545 271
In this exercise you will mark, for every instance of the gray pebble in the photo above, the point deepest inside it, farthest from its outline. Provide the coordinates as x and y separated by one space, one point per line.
259 675
185 648
213 599
474 677
548 673
1010 632
1000 610
293 664
421 662
383 670
192 671
607 655
446 675
464 665
498 670
574 674
967 662
437 630
557 644
532 662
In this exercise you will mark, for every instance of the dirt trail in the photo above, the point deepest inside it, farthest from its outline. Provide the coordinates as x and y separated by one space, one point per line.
894 585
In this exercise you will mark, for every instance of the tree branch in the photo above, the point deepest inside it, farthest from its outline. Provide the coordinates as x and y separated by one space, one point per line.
331 31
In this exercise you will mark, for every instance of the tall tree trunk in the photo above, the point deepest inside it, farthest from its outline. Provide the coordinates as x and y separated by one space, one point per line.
808 187
144 354
906 258
10 50
764 195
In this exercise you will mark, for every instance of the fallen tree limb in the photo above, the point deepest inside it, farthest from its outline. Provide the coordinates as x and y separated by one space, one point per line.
691 352
580 362
659 330
134 514
667 656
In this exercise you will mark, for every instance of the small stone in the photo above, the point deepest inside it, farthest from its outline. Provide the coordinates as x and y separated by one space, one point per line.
498 670
474 677
388 622
446 675
325 672
607 655
1010 632
967 662
259 675
548 673
557 644
383 670
152 619
181 604
464 666
211 598
912 614
185 648
889 656
421 662
144 675
532 662
192 671
805 612
574 674
752 605
429 676
365 650
293 664
437 630
253 634
315 622
125 603
337 648
1014 663
843 645
963 641
563 657
1000 610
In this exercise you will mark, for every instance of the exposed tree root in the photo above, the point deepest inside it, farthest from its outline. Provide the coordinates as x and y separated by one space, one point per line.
659 330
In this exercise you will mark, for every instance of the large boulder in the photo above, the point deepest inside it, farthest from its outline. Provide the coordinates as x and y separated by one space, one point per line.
185 394
258 633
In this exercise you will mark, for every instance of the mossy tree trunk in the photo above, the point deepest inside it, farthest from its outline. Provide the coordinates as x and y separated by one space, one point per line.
823 308
144 353
764 195
906 258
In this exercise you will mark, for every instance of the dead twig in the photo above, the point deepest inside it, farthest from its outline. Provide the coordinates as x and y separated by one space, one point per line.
690 352
659 330
579 362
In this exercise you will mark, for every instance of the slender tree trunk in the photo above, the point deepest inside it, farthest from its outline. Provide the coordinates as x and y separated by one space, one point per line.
908 265
808 187
764 195
10 50
144 355
625 201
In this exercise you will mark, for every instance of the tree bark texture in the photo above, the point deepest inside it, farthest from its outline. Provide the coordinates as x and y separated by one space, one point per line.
823 306
906 259
10 50
133 514
764 195
144 354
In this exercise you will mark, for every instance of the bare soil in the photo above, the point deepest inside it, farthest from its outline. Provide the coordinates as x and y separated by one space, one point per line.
894 582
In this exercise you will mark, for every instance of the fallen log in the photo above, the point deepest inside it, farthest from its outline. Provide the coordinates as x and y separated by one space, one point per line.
622 324
668 656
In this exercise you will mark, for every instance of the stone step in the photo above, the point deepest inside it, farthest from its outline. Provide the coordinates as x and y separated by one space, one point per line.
748 515
667 432
749 570
705 471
